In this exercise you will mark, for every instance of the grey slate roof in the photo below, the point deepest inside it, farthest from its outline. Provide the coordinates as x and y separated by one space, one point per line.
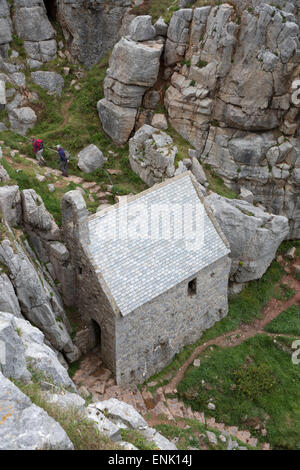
136 270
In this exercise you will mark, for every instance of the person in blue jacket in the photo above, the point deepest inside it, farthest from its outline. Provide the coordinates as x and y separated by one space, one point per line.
63 165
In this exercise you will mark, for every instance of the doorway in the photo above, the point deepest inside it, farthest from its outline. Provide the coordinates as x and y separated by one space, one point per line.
97 332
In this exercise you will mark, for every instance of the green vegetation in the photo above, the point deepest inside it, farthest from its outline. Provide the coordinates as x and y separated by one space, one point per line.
255 384
133 436
288 322
243 309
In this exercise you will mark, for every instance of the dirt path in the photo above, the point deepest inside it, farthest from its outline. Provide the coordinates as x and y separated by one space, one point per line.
65 111
233 338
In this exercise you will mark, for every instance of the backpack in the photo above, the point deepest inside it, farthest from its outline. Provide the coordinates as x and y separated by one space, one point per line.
40 144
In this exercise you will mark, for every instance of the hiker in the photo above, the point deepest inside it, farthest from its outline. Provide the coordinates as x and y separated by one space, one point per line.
38 148
64 160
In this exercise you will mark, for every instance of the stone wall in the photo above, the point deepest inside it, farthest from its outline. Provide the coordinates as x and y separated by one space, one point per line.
91 300
148 338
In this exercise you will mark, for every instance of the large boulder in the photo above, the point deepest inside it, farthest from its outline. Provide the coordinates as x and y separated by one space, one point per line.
22 119
10 204
25 426
51 81
141 28
4 177
117 122
135 63
36 217
253 235
90 159
31 21
42 51
152 154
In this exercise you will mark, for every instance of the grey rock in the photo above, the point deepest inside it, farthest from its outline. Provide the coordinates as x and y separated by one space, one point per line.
10 204
90 159
141 28
253 235
36 216
38 301
159 121
34 64
27 427
152 154
4 177
246 195
18 78
117 122
104 425
42 51
65 400
51 81
212 437
135 63
12 358
22 119
161 27
120 411
8 299
91 29
160 441
32 24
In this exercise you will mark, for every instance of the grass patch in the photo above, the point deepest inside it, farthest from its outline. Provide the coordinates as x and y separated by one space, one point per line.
133 436
243 309
288 322
254 383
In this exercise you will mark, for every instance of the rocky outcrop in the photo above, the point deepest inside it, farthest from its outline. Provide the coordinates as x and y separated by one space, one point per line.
8 299
33 26
231 68
2 95
90 159
152 154
5 28
91 28
25 426
22 119
112 415
10 204
133 69
253 235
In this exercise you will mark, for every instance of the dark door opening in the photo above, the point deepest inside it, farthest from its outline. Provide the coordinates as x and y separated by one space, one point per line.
97 332
51 8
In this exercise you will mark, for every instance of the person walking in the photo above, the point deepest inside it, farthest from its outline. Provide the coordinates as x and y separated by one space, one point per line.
38 148
64 160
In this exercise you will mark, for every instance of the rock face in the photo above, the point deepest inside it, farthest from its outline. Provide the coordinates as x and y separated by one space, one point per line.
91 28
22 119
8 299
90 159
231 70
51 81
25 426
5 28
113 415
33 26
152 154
253 235
133 69
12 359
10 204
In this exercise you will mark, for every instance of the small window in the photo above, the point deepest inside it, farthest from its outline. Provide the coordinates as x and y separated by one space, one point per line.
192 287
